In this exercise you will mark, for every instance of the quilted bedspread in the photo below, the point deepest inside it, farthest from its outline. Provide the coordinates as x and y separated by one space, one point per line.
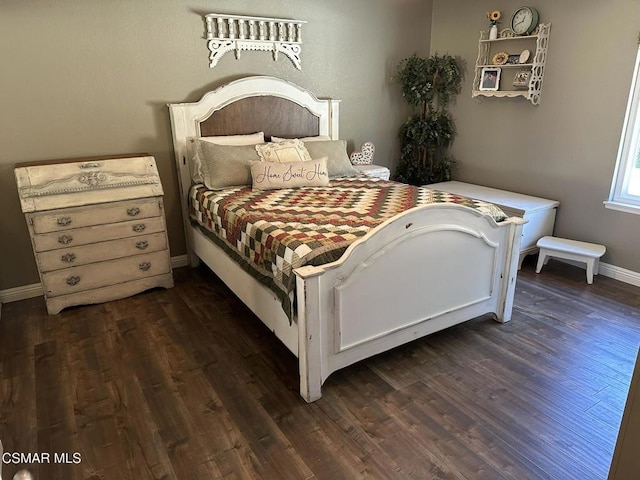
272 232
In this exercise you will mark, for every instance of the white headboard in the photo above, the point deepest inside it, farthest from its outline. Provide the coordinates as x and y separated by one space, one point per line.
233 105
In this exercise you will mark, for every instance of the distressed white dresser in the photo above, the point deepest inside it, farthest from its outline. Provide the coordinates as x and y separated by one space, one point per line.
97 228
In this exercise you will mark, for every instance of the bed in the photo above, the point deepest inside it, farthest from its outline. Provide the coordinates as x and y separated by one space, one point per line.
420 271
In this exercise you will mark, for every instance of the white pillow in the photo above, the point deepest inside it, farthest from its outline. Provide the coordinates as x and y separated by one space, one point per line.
317 138
196 164
274 175
281 152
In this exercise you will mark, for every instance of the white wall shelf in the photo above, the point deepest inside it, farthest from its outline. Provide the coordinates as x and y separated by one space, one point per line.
237 32
507 41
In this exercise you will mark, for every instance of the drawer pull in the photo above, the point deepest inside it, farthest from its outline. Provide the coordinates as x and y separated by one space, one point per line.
90 165
144 266
64 221
65 239
73 280
139 227
68 258
142 244
132 212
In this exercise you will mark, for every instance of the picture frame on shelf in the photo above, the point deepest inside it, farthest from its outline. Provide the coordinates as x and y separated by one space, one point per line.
521 79
490 79
513 59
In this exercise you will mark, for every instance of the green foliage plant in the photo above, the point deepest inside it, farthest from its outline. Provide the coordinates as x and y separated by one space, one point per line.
428 85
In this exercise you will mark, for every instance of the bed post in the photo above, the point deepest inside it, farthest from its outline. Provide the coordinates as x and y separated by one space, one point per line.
334 128
510 271
179 128
309 334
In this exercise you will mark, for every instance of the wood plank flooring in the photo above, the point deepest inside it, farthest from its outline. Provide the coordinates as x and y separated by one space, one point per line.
187 384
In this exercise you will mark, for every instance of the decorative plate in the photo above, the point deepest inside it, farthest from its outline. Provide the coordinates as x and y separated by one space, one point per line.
500 58
524 56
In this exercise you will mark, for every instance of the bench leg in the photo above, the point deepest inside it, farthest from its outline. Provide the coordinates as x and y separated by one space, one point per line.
590 269
542 259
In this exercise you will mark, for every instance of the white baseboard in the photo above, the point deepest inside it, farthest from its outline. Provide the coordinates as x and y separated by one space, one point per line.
35 289
607 270
20 293
180 261
621 274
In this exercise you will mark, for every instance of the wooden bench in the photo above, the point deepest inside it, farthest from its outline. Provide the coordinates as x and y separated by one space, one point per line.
588 253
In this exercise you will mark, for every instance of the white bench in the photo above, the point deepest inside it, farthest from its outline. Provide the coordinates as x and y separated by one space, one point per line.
588 253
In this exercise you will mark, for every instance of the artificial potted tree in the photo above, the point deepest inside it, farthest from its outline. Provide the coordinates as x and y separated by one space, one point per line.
428 85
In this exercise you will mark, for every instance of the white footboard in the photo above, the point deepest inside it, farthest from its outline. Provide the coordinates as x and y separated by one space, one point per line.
418 273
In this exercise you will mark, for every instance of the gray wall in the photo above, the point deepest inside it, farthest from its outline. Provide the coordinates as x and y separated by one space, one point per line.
83 78
91 77
566 147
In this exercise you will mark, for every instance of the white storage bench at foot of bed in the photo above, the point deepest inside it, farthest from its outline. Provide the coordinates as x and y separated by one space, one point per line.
540 213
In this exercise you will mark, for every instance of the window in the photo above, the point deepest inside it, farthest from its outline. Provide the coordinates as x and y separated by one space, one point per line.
625 189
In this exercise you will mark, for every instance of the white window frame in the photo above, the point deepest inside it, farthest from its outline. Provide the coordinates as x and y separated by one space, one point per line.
619 197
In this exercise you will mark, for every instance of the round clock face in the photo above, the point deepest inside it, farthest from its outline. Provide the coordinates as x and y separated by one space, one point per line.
524 21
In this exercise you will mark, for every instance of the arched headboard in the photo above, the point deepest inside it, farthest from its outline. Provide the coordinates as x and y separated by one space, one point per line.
252 104
271 115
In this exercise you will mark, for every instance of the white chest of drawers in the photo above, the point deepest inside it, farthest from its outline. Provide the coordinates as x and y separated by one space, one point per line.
540 213
97 228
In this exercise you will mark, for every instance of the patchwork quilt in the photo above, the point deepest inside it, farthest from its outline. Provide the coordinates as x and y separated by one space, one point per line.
273 232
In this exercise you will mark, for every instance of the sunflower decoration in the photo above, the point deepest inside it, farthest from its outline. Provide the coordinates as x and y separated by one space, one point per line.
493 17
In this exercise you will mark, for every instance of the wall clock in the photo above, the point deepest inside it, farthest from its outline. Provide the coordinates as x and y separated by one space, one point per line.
524 20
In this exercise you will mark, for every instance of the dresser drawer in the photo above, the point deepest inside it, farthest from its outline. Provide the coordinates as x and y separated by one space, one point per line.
98 233
58 220
96 275
50 186
92 253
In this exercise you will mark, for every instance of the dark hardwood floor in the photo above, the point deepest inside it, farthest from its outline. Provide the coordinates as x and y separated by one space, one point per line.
187 384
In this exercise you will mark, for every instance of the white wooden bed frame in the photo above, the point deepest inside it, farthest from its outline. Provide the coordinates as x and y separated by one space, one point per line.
422 271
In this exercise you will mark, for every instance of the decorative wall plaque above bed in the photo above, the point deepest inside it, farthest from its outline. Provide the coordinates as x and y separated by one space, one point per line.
238 32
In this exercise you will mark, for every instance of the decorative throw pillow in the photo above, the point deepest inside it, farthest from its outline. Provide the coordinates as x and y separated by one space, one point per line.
317 138
251 139
338 162
225 166
273 175
280 152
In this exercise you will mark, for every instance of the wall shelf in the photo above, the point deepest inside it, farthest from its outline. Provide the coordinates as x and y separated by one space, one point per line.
237 32
537 43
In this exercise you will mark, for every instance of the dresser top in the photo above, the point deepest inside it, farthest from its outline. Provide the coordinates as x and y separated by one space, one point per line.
49 186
